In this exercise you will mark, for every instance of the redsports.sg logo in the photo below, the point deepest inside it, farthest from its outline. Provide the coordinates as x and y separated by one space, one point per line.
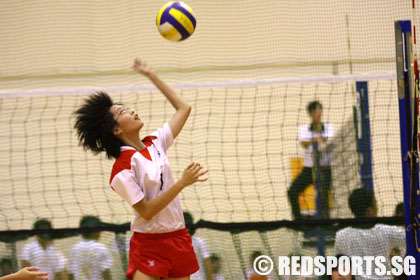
319 265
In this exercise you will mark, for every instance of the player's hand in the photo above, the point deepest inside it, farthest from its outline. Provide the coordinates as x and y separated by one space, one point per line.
31 273
192 174
142 67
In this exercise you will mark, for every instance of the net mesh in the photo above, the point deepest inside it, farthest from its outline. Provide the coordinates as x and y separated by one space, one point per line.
235 72
265 39
245 133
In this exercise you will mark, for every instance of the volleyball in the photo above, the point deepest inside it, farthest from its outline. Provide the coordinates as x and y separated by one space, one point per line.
175 21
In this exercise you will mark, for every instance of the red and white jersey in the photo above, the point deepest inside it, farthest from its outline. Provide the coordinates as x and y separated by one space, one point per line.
146 174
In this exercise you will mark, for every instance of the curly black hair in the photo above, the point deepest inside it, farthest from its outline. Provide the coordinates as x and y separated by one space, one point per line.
95 124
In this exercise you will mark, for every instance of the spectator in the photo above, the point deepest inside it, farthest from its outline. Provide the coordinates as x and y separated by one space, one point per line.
368 240
6 267
215 267
201 251
399 210
250 273
41 253
336 274
89 259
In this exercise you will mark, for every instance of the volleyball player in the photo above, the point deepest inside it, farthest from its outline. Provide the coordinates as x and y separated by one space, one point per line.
90 259
160 246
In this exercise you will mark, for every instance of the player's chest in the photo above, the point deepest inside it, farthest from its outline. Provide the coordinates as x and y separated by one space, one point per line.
153 169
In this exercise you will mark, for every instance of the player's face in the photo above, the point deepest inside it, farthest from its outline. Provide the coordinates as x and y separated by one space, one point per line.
335 275
127 120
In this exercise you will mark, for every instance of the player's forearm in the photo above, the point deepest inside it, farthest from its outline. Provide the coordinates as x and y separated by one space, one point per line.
150 208
170 93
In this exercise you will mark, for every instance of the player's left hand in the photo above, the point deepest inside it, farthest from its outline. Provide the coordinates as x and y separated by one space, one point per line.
142 67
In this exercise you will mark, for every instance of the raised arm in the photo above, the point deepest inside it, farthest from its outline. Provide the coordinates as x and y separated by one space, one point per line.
182 108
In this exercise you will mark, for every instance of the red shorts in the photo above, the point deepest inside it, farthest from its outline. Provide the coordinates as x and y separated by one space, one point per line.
167 255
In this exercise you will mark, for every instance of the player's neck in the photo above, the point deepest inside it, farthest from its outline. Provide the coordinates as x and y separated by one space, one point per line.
134 141
44 244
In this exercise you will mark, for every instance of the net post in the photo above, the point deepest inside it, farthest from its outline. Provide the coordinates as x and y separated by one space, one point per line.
409 138
363 132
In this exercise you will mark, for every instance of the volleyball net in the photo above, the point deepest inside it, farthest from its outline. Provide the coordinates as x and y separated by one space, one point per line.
236 73
244 132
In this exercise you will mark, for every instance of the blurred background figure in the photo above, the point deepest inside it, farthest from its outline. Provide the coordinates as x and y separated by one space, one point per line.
201 251
41 253
6 267
90 259
215 267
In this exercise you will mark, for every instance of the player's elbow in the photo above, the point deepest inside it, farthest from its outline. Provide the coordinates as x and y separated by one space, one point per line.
147 215
187 109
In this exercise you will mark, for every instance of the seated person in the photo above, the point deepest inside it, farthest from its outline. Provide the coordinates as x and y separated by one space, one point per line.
335 275
368 240
42 254
90 259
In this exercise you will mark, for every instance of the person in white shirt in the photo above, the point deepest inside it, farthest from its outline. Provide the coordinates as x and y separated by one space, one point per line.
160 246
41 253
89 259
317 136
201 251
368 240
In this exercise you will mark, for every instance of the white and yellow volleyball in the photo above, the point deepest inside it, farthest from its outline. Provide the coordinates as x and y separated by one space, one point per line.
175 21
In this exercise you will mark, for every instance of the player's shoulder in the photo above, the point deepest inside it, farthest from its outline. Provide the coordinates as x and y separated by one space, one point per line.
124 161
100 246
345 232
77 247
31 246
97 246
387 228
198 240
